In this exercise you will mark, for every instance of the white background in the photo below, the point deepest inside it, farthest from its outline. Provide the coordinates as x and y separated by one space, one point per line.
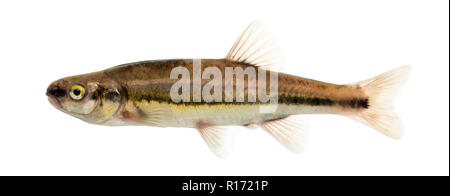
332 41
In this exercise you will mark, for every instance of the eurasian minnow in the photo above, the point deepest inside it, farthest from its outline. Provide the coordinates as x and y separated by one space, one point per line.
152 93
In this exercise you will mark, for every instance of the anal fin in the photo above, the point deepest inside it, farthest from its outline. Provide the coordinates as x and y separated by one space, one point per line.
289 131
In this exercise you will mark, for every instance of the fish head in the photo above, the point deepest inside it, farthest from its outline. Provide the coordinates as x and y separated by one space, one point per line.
93 97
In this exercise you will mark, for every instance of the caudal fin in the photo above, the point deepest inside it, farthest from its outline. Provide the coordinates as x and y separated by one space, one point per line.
381 89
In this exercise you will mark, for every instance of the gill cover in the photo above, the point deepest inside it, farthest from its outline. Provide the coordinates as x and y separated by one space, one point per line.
92 101
108 98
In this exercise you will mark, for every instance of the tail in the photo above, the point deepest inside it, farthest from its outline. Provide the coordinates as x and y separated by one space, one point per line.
381 89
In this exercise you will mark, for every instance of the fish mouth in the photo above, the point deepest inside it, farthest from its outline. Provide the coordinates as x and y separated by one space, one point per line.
55 92
55 102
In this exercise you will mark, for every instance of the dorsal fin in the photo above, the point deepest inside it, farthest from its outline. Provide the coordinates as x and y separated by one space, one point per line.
256 46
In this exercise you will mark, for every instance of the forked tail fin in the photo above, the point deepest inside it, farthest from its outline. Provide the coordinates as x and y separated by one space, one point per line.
381 89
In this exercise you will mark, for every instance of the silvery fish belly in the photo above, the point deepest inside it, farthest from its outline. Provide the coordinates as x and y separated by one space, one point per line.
212 94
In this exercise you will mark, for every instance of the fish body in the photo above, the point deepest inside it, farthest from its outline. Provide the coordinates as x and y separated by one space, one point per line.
146 85
142 93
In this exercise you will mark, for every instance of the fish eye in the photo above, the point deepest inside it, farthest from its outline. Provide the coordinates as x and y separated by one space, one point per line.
77 92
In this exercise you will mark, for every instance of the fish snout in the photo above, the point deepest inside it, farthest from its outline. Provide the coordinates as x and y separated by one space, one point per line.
56 90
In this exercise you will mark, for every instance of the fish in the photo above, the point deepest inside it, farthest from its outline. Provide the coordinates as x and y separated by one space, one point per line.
195 93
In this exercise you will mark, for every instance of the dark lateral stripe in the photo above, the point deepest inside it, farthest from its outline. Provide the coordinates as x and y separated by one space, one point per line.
315 101
282 99
355 103
288 99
